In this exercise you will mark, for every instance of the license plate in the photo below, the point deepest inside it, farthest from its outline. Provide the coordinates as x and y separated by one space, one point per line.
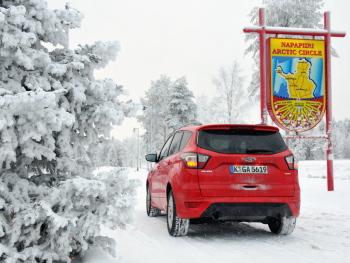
248 169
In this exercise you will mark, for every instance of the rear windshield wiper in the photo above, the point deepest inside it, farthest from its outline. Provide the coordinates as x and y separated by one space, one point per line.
259 151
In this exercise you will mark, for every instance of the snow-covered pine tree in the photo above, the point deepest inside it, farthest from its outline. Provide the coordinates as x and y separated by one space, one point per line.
115 152
108 152
182 109
129 157
51 110
155 107
286 13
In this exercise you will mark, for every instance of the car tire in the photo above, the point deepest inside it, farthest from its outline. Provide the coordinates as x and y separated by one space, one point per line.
151 211
176 226
282 225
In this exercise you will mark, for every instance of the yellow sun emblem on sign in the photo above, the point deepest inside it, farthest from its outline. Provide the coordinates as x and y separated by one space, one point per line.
298 111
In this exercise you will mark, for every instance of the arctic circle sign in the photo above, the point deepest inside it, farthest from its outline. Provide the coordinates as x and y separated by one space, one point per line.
296 97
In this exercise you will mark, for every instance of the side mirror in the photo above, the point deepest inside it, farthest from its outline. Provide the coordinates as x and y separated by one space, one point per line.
152 157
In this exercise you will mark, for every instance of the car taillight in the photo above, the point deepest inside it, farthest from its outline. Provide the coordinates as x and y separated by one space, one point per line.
195 160
290 162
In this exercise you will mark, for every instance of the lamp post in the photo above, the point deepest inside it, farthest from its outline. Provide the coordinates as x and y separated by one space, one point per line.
150 143
137 131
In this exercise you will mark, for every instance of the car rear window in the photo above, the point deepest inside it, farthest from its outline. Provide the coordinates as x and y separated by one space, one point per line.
241 141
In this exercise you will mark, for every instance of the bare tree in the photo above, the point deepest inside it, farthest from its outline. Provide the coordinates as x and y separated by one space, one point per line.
229 84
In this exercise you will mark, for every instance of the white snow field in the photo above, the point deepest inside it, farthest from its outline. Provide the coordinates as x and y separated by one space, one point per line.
322 233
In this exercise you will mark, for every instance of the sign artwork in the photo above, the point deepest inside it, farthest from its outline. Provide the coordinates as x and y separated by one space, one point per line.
296 96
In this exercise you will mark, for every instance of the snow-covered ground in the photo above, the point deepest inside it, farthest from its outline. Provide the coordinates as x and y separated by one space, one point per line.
322 233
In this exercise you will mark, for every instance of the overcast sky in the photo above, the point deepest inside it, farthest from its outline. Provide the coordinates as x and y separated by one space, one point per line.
191 38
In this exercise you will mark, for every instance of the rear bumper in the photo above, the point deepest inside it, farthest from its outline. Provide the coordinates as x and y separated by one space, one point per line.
237 208
246 211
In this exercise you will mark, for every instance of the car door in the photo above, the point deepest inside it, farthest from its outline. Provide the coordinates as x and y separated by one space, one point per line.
158 172
167 166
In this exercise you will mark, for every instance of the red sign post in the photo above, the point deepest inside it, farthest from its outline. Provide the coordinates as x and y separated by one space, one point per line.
307 102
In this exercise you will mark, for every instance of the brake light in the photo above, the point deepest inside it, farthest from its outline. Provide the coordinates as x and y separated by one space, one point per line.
290 162
195 160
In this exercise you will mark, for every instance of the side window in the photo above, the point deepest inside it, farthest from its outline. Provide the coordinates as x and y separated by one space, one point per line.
185 138
165 149
175 144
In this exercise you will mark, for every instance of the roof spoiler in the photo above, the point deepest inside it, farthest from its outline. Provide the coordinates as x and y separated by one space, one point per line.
257 127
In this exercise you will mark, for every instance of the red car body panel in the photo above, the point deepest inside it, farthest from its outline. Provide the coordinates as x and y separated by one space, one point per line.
197 189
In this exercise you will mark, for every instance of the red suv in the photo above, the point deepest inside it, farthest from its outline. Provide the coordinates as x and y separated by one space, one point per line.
224 172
